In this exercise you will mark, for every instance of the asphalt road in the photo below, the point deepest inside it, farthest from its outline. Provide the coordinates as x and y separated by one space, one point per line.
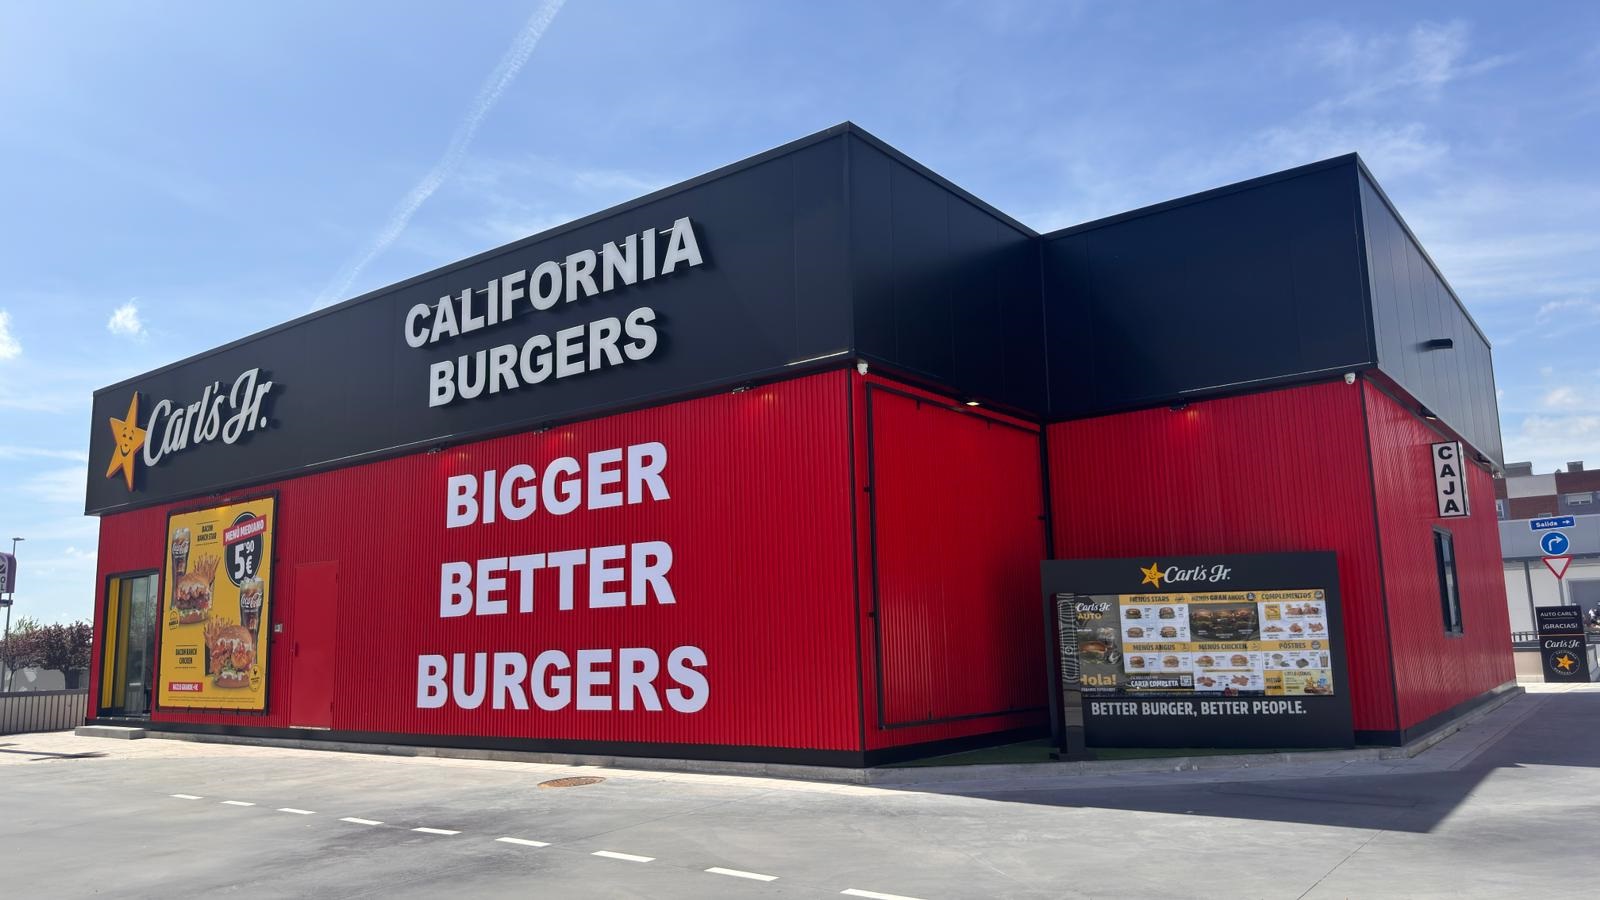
1506 809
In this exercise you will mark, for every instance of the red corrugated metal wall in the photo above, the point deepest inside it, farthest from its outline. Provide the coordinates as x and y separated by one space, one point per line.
760 487
757 520
129 542
1276 471
1435 671
959 506
953 505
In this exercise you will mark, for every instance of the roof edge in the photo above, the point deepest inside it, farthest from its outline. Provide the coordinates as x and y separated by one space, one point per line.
732 168
1211 194
899 156
1377 188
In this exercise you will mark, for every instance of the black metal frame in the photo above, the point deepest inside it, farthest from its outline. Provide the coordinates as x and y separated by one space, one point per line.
1449 591
105 644
263 658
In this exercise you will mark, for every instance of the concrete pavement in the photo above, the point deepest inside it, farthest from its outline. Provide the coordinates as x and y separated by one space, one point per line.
1502 808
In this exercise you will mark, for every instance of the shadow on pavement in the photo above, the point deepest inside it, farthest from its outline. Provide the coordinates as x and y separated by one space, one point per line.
41 754
1560 732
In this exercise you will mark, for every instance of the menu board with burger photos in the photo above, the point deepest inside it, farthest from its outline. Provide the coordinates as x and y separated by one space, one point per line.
215 606
1224 651
1272 643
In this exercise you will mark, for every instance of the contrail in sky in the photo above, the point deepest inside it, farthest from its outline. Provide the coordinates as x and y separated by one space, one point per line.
516 56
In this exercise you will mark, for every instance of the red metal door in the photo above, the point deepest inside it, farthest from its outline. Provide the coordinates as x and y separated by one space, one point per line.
311 645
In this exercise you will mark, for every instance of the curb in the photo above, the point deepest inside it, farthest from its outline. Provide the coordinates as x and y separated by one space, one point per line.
921 775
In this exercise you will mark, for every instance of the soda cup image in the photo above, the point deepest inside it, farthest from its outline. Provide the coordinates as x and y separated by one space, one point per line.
180 553
251 592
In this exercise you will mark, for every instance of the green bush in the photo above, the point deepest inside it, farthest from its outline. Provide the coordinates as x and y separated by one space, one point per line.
63 647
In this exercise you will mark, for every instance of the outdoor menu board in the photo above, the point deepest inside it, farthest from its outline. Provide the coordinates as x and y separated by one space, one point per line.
218 582
1224 651
1562 647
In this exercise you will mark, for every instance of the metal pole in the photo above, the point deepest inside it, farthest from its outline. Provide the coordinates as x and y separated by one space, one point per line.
13 598
7 646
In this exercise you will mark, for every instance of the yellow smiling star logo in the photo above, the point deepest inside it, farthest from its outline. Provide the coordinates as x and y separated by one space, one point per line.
129 437
1565 662
1152 575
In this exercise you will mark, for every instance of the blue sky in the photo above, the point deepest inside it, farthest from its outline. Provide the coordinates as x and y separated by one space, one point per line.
177 175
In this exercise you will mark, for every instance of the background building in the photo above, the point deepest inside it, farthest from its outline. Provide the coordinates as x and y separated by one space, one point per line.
1521 496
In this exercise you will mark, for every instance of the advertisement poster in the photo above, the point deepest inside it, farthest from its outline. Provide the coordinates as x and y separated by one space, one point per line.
1226 651
215 606
1273 643
1562 646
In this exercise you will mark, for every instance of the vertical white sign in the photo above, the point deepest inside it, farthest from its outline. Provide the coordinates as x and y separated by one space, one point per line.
1450 479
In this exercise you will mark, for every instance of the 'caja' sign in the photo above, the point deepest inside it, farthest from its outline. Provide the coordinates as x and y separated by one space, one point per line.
1450 480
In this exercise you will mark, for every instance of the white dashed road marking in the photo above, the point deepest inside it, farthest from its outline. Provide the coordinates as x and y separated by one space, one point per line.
629 857
524 842
753 876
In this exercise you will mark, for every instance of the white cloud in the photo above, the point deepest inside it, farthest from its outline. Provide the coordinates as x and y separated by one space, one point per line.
1563 397
513 198
72 565
125 320
12 451
10 347
505 72
58 486
1550 440
65 388
1395 150
1420 64
1567 310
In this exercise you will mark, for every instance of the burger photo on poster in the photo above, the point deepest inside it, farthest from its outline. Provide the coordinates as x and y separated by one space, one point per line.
191 594
233 652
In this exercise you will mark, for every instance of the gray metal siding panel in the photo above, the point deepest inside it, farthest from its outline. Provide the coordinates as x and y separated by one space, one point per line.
1024 339
871 261
1247 286
1413 304
943 288
822 274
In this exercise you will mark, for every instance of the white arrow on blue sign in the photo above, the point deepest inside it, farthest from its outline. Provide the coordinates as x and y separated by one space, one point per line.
1551 522
1554 543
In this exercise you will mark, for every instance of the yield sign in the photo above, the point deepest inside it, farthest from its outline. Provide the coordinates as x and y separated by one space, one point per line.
1558 565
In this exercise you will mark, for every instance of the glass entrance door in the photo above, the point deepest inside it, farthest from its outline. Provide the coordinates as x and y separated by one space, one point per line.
129 669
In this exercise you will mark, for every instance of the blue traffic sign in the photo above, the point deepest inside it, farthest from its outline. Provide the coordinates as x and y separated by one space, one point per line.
1554 543
1551 522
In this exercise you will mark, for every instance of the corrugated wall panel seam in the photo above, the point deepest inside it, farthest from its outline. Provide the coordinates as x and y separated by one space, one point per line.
1364 267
